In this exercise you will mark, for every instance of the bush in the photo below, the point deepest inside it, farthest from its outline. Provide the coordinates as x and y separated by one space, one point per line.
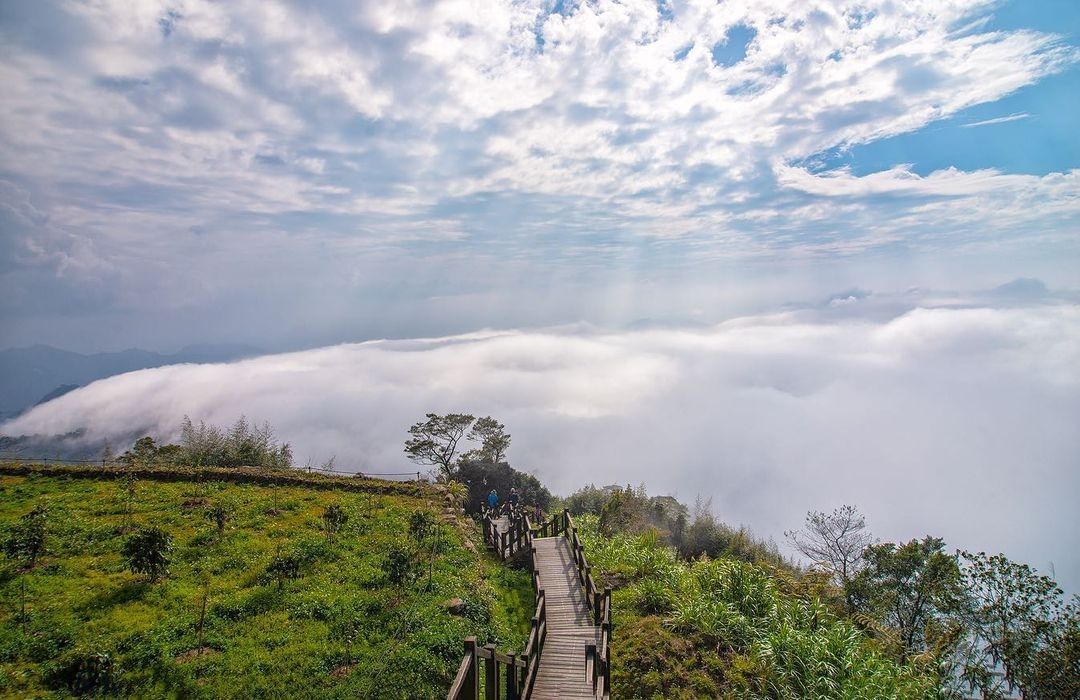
218 515
284 567
84 673
240 446
27 539
398 565
147 552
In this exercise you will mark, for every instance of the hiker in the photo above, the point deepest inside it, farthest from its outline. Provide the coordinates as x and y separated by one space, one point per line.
512 502
538 515
493 500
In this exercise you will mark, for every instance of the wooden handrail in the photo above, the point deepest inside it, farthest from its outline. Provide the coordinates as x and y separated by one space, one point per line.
520 670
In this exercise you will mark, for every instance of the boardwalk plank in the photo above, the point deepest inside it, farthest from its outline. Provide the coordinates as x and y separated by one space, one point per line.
570 628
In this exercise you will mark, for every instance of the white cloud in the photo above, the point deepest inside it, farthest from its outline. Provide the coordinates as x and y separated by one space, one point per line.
1016 116
954 421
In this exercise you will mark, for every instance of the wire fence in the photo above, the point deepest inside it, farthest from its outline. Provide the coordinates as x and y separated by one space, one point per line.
116 462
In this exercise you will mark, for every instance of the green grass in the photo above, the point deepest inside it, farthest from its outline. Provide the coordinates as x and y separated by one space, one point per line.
729 628
341 629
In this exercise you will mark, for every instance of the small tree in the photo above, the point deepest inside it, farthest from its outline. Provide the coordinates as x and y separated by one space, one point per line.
284 567
147 552
27 539
435 442
421 524
127 487
334 519
398 565
144 452
834 541
219 515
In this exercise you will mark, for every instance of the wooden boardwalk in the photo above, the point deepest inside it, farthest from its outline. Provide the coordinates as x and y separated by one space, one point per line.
570 624
567 654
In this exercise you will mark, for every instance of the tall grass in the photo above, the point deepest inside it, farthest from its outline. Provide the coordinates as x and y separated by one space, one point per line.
751 636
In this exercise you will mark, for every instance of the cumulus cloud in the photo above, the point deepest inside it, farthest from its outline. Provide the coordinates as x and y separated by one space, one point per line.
955 421
259 141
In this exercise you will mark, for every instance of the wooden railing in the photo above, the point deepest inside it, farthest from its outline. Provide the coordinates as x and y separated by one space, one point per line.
512 676
508 543
597 657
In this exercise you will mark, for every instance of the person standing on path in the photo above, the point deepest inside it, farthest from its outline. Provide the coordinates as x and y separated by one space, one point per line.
493 500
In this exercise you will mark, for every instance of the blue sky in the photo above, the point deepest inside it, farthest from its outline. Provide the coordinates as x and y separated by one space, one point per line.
287 175
765 239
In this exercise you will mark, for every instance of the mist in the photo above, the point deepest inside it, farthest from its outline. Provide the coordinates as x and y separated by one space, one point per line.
957 422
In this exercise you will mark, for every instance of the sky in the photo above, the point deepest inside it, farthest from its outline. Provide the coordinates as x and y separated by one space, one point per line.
725 212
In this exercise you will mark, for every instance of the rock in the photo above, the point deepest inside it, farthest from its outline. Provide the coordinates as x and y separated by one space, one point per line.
467 543
455 606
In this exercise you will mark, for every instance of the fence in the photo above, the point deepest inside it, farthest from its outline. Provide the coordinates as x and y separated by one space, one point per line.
512 676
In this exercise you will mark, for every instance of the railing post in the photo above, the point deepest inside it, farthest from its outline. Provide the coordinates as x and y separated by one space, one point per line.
597 599
512 678
491 675
472 678
590 664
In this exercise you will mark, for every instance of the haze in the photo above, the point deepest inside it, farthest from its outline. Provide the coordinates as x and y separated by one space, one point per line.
785 255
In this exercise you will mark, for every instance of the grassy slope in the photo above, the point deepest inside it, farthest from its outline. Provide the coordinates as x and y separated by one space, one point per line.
727 628
262 641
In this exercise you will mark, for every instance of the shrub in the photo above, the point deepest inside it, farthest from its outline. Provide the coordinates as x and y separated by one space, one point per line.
284 567
334 519
218 515
147 552
421 524
242 445
398 565
84 673
27 539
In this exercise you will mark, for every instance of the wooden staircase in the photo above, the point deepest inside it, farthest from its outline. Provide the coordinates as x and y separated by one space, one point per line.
568 651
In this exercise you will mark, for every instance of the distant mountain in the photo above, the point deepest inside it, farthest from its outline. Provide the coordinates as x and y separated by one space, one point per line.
33 375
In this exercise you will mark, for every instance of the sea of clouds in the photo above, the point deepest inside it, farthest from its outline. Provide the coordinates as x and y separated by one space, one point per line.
959 422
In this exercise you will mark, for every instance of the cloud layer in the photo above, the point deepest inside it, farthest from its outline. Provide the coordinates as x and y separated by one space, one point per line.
347 156
953 421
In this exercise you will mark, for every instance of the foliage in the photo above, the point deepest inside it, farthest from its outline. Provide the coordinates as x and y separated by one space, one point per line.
421 524
219 515
85 673
494 441
435 442
834 541
482 477
1055 671
242 445
398 564
732 628
284 567
915 589
256 639
334 519
27 539
147 552
587 500
1020 617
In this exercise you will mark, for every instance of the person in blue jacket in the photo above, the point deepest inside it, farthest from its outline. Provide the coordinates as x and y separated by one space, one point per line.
493 499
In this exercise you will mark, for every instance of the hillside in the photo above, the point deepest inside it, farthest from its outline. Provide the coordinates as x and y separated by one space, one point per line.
285 607
733 629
